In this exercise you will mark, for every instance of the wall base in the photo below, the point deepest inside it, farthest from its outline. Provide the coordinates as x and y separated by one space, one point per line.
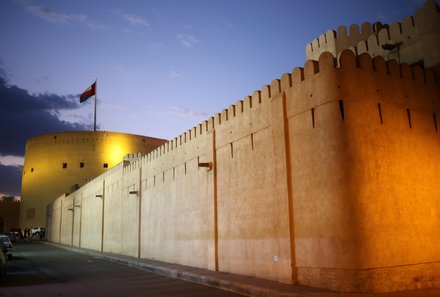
374 280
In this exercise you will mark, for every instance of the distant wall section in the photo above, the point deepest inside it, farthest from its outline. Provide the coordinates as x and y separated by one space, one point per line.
57 163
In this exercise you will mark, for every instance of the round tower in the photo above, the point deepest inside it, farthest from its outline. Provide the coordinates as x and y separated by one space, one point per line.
58 163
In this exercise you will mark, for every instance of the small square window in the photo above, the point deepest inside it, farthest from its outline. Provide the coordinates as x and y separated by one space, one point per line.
81 164
64 165
105 165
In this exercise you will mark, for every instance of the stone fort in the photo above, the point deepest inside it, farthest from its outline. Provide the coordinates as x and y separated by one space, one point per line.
328 177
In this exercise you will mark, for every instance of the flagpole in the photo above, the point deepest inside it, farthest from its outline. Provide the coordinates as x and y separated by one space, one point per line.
94 122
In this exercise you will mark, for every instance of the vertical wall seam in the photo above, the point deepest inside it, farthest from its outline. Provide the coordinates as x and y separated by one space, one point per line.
61 219
140 212
289 190
80 220
73 220
214 161
102 215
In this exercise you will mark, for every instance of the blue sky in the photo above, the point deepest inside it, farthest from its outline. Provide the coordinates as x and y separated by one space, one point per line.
162 66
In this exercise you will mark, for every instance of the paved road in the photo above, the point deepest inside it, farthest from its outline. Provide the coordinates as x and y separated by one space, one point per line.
38 269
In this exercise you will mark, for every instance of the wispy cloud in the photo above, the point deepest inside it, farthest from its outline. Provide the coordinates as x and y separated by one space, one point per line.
11 160
56 17
155 45
174 73
186 112
187 40
134 20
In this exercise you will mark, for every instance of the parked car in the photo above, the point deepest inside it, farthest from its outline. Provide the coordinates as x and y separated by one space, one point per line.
38 232
11 236
8 244
3 260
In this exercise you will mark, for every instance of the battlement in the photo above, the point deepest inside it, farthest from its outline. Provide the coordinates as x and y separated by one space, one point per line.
412 40
249 105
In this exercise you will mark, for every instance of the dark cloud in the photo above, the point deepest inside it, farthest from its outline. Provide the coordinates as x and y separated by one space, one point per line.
10 177
23 115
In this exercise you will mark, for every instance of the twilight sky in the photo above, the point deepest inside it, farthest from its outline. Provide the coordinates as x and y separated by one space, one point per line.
163 66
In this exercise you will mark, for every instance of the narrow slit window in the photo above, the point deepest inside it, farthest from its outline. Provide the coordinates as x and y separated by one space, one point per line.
408 113
232 151
313 117
252 141
341 109
435 121
379 107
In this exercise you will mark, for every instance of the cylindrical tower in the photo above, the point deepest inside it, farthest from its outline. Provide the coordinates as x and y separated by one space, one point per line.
58 163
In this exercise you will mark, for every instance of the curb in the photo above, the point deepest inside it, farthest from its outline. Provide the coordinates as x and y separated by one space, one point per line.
244 285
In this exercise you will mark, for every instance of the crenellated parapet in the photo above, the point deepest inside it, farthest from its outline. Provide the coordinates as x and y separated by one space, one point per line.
253 112
416 39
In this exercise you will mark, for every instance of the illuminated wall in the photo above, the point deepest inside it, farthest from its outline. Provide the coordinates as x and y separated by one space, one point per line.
414 40
57 163
326 178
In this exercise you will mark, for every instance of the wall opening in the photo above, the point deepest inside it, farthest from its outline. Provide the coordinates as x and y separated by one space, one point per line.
341 109
379 107
408 113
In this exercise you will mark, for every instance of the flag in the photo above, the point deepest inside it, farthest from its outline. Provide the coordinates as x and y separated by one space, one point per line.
88 93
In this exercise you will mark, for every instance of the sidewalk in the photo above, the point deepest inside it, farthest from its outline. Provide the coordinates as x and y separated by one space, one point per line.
236 283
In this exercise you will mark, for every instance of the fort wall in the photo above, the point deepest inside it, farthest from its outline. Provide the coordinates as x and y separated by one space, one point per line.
415 39
57 163
327 178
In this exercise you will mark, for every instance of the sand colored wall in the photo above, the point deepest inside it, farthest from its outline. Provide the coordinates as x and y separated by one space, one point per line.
44 177
418 36
328 178
365 202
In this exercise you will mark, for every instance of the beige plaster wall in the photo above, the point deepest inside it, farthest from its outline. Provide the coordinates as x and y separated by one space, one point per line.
365 193
418 37
304 184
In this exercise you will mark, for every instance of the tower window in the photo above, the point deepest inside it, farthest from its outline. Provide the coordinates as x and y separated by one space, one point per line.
64 165
32 169
105 165
81 164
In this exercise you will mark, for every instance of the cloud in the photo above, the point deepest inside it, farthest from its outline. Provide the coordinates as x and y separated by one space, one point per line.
135 20
187 40
11 160
155 45
185 112
26 115
174 73
60 18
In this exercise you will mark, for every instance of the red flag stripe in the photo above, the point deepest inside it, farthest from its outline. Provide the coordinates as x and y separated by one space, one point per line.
88 93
